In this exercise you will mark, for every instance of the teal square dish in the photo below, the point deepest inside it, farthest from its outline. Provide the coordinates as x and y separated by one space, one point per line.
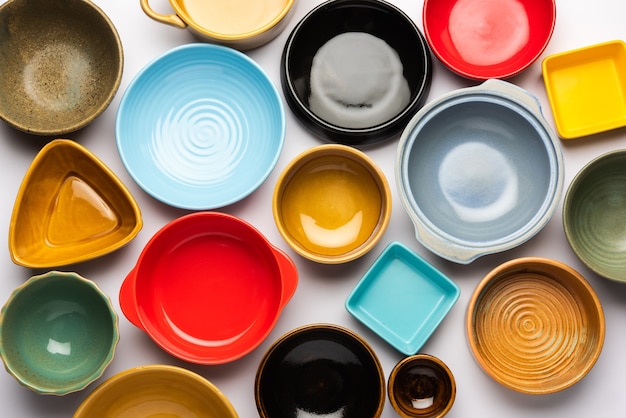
402 298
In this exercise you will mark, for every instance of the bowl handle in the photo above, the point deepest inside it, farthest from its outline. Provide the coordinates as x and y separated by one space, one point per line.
515 91
289 275
172 19
128 298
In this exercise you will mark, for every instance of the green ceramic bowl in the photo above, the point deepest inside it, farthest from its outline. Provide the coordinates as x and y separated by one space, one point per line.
58 333
593 215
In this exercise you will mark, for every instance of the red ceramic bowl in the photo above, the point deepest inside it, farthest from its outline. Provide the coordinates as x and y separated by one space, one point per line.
482 39
208 288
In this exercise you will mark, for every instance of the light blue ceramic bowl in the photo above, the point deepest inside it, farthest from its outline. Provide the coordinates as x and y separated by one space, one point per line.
479 171
200 127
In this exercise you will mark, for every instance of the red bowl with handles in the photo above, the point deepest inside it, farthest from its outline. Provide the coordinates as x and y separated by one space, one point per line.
208 288
482 39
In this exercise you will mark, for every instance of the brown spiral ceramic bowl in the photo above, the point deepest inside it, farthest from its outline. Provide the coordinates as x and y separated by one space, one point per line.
535 325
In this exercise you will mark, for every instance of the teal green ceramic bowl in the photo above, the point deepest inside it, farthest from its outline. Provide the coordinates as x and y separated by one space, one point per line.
593 215
58 333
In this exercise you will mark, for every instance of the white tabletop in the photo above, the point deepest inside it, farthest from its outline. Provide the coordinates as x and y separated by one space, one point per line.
322 289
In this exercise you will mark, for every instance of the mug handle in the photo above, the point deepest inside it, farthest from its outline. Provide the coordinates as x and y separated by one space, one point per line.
289 275
128 298
172 19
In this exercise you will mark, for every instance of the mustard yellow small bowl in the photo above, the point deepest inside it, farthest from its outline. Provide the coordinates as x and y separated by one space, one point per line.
70 208
156 391
332 204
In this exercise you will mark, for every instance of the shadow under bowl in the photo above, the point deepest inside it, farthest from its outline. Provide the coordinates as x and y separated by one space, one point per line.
58 333
62 64
320 370
593 215
352 82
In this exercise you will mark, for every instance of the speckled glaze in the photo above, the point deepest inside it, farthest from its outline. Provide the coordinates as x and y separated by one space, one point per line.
421 386
58 333
320 370
62 64
240 24
535 325
156 390
332 204
593 215
70 208
479 171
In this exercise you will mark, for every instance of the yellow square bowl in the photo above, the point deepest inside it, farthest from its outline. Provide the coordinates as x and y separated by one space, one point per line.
586 88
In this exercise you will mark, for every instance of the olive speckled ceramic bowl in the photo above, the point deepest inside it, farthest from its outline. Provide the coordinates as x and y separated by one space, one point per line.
62 64
593 215
58 333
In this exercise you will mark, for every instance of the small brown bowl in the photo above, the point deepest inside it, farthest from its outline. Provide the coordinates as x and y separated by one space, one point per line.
421 386
62 64
535 325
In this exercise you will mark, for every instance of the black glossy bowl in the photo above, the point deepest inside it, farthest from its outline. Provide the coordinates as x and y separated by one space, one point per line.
320 370
374 17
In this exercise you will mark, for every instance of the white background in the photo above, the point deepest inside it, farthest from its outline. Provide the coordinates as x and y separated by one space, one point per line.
322 288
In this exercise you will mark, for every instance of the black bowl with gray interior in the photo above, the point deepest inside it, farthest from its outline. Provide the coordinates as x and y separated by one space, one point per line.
355 71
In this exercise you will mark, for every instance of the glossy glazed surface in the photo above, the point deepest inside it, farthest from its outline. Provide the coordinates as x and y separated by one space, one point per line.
208 288
585 86
421 386
241 24
335 17
593 215
402 298
200 127
62 64
58 333
156 391
332 204
535 325
479 171
482 39
320 371
70 208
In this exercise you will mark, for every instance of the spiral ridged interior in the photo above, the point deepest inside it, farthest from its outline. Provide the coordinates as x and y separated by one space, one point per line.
533 333
200 127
